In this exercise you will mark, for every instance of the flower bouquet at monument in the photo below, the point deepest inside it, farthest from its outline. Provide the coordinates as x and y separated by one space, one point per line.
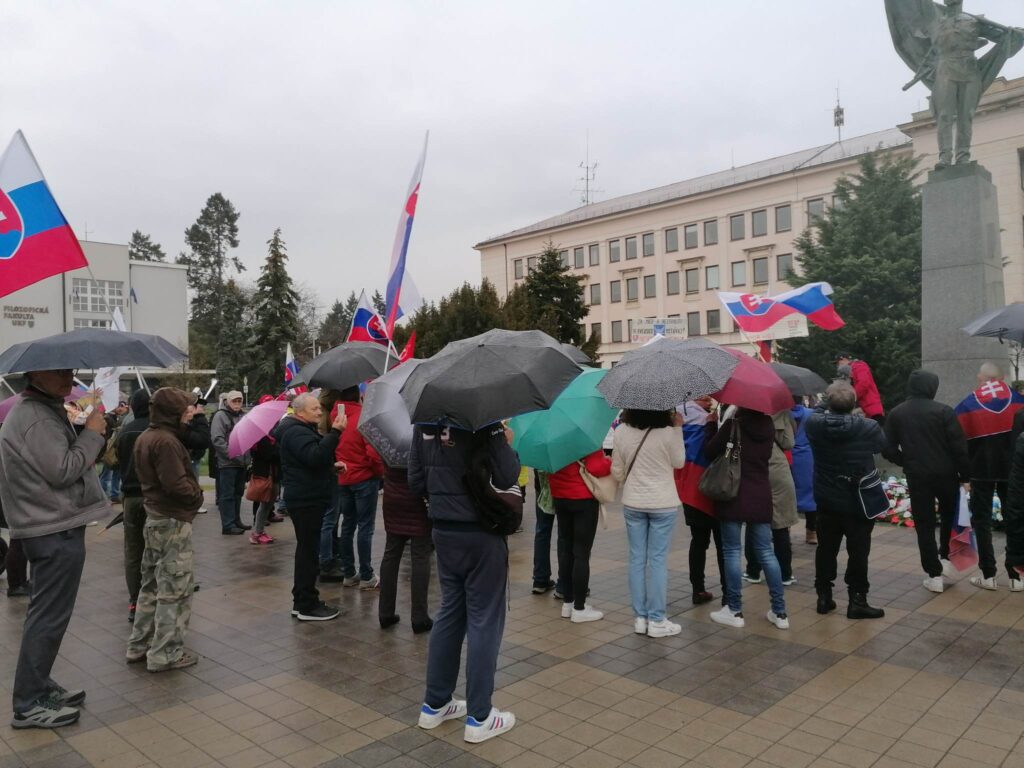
899 503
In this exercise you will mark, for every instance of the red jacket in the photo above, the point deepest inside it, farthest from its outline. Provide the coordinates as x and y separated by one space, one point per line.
362 462
864 385
566 483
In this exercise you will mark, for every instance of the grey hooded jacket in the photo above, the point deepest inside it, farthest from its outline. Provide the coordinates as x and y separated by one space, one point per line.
224 420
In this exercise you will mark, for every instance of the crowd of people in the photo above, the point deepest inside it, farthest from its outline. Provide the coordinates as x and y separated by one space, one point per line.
816 459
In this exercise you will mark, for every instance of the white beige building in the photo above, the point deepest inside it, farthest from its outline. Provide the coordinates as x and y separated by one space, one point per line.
664 252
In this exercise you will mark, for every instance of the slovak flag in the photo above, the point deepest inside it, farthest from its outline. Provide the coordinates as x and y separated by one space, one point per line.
409 349
291 368
989 410
687 479
756 314
399 251
366 323
35 239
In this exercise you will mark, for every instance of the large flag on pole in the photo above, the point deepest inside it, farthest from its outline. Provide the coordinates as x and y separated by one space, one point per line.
366 323
291 368
35 239
757 314
396 275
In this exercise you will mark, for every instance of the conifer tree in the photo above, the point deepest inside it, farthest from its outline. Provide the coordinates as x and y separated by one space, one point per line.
143 248
276 312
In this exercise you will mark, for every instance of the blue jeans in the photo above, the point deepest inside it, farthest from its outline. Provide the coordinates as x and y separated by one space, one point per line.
230 488
760 536
358 506
542 549
650 538
110 481
330 544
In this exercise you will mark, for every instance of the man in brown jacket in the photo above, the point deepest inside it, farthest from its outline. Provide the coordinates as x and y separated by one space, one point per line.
171 497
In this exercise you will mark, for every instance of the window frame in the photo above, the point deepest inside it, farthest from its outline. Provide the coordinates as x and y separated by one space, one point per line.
594 255
760 261
718 277
650 286
687 231
763 212
616 325
733 218
789 213
647 239
631 241
518 269
778 266
578 260
732 273
811 217
594 303
690 318
672 247
686 280
615 292
636 289
614 251
713 240
668 283
596 326
718 321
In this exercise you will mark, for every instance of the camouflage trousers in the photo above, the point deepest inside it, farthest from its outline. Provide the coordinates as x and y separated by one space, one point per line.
165 599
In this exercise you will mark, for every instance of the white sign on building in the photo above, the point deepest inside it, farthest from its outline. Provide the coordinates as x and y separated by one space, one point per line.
646 328
790 327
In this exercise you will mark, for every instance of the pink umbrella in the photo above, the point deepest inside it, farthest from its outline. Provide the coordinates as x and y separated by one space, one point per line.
255 425
6 405
756 386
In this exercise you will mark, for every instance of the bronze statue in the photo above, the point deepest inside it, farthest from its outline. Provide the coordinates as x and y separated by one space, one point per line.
938 42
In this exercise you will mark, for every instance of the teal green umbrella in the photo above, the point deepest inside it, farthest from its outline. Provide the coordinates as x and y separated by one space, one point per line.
573 427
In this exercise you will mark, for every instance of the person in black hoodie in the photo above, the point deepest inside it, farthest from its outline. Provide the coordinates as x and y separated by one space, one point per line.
1013 510
843 446
925 438
131 492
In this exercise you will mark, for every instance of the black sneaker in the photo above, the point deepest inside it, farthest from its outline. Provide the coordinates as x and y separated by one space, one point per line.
332 577
24 590
232 531
539 588
243 526
69 698
47 712
322 612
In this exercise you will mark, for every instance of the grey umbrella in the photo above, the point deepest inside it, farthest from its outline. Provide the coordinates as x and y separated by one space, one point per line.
800 381
667 373
577 354
1005 323
90 348
479 381
345 365
384 420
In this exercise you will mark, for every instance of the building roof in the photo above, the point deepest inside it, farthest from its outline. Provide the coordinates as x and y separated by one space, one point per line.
776 166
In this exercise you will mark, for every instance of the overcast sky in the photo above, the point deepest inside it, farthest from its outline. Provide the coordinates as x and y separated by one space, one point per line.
309 116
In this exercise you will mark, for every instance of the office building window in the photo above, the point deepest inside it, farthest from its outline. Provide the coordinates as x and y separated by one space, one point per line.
760 270
712 281
630 248
595 331
615 291
737 226
690 236
784 264
711 232
629 330
518 266
649 244
595 255
692 280
613 251
815 209
616 331
82 323
632 289
563 256
714 321
671 240
693 323
96 295
595 294
531 264
650 286
671 283
783 218
577 258
759 223
739 273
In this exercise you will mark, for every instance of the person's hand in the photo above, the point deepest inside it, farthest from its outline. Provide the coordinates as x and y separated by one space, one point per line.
712 416
966 487
677 419
186 417
340 421
341 466
96 422
509 435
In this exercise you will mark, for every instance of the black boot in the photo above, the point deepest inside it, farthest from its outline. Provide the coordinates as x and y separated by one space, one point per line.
859 608
825 602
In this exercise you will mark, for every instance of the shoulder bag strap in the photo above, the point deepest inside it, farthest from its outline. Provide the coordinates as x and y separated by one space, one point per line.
630 468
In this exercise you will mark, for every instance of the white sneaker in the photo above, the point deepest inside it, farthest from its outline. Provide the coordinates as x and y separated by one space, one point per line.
640 625
780 620
933 583
751 579
727 617
431 718
663 628
948 570
495 725
1016 585
589 613
566 610
982 583
789 582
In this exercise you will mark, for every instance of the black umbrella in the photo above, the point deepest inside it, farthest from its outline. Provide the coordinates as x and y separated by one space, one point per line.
479 381
90 348
345 365
801 381
576 354
1005 323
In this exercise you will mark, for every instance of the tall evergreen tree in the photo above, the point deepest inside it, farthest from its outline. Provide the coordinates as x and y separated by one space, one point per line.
235 351
336 324
209 263
143 248
868 246
551 300
466 311
378 303
276 312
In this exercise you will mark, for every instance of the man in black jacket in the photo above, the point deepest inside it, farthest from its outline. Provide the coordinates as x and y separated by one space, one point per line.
925 438
844 446
131 490
308 473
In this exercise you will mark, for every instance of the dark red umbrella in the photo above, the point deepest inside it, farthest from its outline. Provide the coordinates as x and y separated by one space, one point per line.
756 386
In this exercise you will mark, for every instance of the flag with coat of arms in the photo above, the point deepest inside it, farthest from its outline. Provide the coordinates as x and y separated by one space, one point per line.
367 325
989 410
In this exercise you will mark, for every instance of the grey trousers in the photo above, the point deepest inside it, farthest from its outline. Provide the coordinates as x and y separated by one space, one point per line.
473 569
57 561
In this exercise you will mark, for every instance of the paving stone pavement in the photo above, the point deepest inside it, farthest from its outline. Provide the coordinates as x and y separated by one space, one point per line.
937 682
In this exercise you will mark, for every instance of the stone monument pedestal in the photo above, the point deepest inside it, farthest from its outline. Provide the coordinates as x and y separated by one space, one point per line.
961 275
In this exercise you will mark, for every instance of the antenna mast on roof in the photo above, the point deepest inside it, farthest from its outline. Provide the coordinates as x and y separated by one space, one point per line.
839 117
589 174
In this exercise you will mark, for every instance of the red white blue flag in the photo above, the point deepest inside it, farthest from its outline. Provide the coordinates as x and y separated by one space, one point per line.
366 323
35 239
989 409
291 370
396 275
755 314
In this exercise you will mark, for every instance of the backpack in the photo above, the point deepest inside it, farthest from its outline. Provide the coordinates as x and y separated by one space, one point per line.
501 509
